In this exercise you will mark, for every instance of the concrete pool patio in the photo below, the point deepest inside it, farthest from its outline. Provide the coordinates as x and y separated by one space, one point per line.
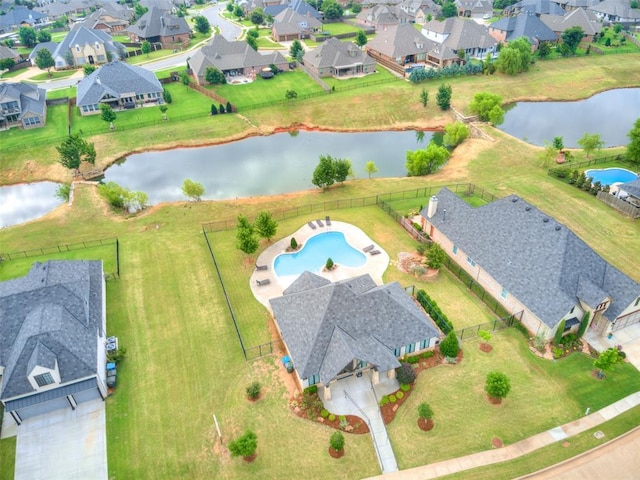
375 265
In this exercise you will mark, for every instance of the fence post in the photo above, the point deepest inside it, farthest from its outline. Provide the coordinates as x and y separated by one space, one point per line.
118 257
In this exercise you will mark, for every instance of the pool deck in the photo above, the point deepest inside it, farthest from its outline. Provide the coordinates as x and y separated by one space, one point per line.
374 266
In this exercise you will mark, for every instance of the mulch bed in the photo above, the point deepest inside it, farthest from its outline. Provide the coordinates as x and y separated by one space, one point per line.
485 347
494 400
336 453
497 443
425 424
355 424
251 458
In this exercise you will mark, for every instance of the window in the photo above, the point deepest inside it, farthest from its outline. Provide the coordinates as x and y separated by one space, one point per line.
410 348
471 262
504 293
455 249
43 379
601 306
313 379
637 302
424 344
397 351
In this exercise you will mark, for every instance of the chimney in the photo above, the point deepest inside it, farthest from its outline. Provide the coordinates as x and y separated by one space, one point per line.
432 207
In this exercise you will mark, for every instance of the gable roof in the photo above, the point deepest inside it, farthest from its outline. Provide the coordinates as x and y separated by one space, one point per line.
576 18
378 15
32 98
326 325
461 34
475 6
537 259
616 8
50 316
525 25
116 78
537 7
289 22
632 188
19 15
400 40
299 6
159 23
334 53
6 52
80 35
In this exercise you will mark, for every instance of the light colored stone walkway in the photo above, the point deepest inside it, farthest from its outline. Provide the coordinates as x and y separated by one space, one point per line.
509 452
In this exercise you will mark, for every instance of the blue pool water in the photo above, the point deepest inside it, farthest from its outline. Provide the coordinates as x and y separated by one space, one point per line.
609 176
315 252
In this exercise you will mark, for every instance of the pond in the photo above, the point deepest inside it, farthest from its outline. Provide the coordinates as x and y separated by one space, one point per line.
279 163
27 201
610 114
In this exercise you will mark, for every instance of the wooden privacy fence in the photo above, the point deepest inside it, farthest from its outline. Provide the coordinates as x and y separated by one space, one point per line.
620 205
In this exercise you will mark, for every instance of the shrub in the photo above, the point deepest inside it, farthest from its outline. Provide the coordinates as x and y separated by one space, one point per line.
434 311
329 264
425 411
484 335
324 413
332 417
497 385
557 352
116 356
427 354
63 192
404 387
400 395
449 346
337 441
405 373
244 445
253 390
311 389
417 226
421 248
413 359
384 400
436 256
392 398
294 243
559 331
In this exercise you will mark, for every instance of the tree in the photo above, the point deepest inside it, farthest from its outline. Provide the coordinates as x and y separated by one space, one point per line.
163 110
247 241
295 50
324 174
590 142
331 9
483 103
405 374
43 36
515 57
221 109
244 446
426 161
44 60
361 38
443 97
253 33
455 133
192 190
139 10
572 37
544 50
449 347
436 256
584 323
370 168
449 10
341 169
291 94
75 150
166 95
146 47
214 109
424 97
496 115
497 385
185 78
88 69
238 12
63 192
265 226
107 114
228 108
633 149
558 143
337 441
214 76
257 16
7 63
28 37
607 360
425 411
202 24
557 338
329 264
252 42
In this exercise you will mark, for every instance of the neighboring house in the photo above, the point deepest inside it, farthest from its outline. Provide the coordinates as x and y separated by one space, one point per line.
232 58
417 11
56 10
51 46
167 6
584 19
525 25
120 85
52 346
475 8
299 6
6 52
289 25
460 34
335 330
82 46
535 7
400 47
630 192
616 11
20 17
378 17
334 58
22 104
529 262
570 5
112 17
157 26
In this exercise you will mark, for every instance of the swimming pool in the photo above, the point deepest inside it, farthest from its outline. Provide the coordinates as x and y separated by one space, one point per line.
609 176
316 251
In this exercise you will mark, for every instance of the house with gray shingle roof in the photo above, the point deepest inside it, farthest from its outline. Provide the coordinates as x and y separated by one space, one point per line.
334 58
157 26
630 192
535 7
335 330
584 19
299 6
525 25
120 85
378 17
112 17
6 52
570 5
289 25
52 341
460 34
474 8
616 11
532 263
22 104
232 58
20 16
417 11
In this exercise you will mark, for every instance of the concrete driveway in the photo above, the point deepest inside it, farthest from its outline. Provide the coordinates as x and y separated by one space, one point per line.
66 444
628 337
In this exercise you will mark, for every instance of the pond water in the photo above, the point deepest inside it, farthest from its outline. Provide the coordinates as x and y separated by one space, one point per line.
269 165
27 201
610 114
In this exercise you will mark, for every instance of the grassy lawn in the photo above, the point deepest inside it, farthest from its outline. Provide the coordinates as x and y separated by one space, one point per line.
121 38
618 43
339 28
381 75
7 458
53 75
17 138
544 394
61 93
15 73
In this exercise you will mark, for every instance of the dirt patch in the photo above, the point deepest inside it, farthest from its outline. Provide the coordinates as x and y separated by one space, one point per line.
336 453
485 347
494 400
254 400
251 458
497 443
425 424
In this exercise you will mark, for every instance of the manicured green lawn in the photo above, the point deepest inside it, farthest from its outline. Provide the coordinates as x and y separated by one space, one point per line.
617 44
61 93
54 130
53 75
339 28
15 73
7 458
381 75
544 394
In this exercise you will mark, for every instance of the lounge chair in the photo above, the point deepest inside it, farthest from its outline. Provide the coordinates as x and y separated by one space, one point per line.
327 220
368 248
266 281
319 222
312 225
374 252
262 267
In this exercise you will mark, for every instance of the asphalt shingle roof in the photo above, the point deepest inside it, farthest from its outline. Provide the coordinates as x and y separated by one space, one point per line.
158 23
525 25
632 188
32 98
461 34
327 325
537 259
334 53
576 18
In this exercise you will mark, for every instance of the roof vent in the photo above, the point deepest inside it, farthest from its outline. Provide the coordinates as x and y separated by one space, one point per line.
514 199
545 219
527 208
557 228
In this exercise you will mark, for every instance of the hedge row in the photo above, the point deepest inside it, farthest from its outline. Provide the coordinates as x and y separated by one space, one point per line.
434 312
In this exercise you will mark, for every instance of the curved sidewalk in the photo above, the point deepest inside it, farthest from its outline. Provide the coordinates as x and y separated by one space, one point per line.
517 449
